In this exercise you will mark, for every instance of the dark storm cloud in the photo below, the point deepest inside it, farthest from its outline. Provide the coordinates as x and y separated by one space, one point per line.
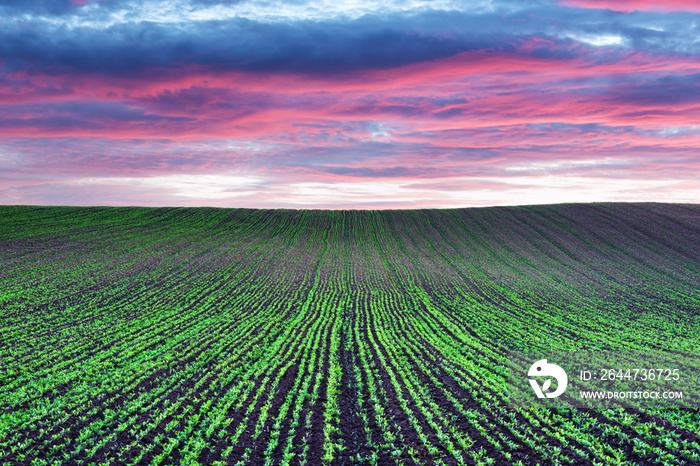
236 44
334 45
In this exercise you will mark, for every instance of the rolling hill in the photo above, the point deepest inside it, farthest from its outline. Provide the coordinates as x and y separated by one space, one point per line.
239 336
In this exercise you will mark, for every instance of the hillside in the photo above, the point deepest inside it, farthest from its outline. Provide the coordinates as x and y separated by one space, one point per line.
184 335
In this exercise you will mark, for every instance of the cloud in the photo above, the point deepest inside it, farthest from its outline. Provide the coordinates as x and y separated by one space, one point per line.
236 44
399 103
633 5
134 46
39 7
664 91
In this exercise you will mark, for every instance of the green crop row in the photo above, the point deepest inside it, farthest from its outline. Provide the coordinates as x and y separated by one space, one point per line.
235 336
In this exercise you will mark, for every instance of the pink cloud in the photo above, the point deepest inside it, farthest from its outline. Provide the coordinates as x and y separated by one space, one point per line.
632 5
443 126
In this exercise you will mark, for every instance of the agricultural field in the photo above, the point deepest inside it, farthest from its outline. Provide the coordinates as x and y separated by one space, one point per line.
183 336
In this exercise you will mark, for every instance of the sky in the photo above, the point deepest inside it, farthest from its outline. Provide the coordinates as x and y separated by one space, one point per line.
360 104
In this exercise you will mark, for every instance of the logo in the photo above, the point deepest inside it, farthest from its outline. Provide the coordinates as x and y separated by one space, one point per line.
543 368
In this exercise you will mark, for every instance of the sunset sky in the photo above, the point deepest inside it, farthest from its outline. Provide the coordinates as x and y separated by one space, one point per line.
349 105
